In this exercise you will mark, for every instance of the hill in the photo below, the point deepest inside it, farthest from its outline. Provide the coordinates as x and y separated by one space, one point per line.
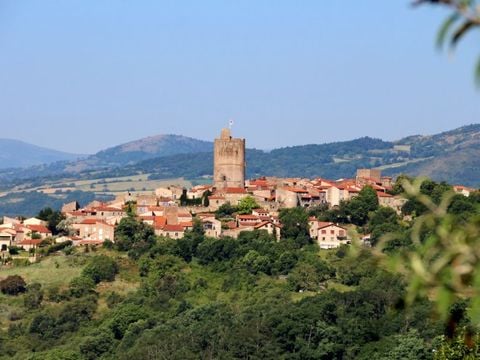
450 156
19 154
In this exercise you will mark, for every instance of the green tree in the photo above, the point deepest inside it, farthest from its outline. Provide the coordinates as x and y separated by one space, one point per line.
101 268
52 217
246 205
13 285
295 225
134 236
34 296
360 206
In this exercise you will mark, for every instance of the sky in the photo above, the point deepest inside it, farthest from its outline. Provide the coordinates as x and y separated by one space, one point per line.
84 75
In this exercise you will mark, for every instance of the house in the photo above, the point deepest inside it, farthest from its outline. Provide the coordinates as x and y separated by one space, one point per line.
29 244
39 230
248 220
463 190
270 227
172 231
34 221
385 199
212 227
95 229
6 240
327 234
216 201
71 206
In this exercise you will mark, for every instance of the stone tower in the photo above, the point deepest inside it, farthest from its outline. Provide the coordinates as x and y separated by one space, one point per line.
228 161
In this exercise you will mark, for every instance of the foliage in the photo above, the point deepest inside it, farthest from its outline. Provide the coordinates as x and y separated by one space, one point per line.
246 205
225 211
465 17
358 208
52 217
295 225
134 236
81 286
13 285
444 258
34 296
101 268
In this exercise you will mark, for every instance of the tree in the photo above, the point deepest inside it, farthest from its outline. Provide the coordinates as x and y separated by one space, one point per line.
134 236
13 285
205 199
81 286
224 211
34 296
360 206
101 268
101 342
246 205
295 225
52 217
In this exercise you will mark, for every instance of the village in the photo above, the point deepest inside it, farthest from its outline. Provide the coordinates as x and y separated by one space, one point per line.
172 210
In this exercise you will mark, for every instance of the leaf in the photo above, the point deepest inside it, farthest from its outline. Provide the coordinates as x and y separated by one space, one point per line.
444 300
442 32
460 32
477 73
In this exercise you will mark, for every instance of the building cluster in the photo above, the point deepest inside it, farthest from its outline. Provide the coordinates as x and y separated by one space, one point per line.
165 210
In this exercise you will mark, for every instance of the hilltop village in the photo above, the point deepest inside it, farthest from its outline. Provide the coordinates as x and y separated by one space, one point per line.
227 207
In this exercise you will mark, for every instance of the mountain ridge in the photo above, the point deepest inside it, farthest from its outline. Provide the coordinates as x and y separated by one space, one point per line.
437 156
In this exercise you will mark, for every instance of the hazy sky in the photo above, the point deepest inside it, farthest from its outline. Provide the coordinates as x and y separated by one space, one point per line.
83 75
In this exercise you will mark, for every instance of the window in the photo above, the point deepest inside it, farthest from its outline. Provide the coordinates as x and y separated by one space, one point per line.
332 232
324 231
341 233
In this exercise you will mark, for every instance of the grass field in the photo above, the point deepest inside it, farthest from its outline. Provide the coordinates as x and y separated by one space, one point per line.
52 271
108 186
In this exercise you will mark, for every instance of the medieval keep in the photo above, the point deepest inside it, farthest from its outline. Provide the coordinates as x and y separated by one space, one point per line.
229 161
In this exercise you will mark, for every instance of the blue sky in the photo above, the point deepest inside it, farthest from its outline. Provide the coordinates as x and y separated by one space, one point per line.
83 75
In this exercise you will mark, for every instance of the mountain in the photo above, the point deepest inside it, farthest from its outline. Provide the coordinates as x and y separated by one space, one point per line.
452 156
152 147
118 156
19 154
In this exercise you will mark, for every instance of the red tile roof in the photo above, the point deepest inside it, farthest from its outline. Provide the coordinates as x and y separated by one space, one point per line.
232 190
170 228
39 229
30 242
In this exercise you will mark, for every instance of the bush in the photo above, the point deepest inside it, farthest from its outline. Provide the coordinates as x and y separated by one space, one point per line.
13 285
57 247
95 346
34 297
14 250
101 268
81 286
108 244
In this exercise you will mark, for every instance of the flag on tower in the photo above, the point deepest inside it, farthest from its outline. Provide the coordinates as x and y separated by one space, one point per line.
230 123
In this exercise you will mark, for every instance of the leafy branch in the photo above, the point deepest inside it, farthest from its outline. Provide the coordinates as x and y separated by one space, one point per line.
444 261
464 18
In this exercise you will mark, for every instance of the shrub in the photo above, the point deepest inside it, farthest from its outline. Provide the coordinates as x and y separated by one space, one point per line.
34 297
13 285
57 247
108 244
81 286
14 250
95 346
101 268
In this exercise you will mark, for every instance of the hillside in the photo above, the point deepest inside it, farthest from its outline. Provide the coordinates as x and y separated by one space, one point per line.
19 154
451 156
